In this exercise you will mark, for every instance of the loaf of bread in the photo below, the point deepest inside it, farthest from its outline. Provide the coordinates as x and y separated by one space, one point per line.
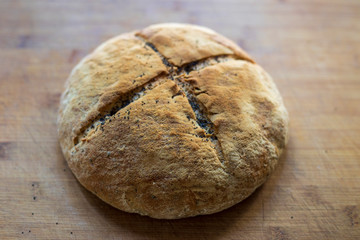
171 121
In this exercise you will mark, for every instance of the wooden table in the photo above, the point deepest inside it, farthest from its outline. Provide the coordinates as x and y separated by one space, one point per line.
311 48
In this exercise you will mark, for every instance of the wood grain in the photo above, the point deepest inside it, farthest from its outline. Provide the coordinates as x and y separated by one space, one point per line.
312 50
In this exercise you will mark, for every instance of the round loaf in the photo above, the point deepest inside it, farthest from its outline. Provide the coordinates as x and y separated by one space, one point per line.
171 121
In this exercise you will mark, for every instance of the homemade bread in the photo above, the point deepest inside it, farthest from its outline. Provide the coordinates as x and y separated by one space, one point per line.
171 121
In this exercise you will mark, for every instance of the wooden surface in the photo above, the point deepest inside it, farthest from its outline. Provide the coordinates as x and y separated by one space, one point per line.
311 48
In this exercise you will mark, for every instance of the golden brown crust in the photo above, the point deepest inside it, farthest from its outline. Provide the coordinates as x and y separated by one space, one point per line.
171 140
101 77
184 43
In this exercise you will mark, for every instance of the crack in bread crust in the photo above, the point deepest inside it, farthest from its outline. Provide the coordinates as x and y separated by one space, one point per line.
111 110
177 74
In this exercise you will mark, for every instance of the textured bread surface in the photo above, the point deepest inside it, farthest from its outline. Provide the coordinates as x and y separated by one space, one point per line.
171 121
